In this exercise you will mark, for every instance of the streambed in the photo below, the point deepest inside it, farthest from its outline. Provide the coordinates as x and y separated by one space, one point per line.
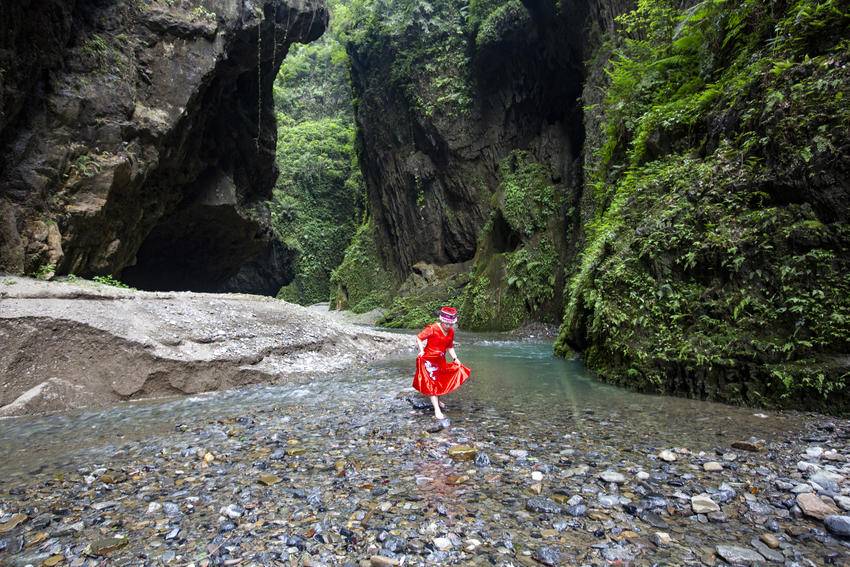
341 469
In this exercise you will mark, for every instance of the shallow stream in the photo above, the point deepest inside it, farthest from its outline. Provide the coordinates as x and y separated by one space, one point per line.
352 467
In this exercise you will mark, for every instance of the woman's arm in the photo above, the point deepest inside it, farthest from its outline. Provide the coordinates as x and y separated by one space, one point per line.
454 355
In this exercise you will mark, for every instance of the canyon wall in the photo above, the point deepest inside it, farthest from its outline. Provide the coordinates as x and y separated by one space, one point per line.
137 139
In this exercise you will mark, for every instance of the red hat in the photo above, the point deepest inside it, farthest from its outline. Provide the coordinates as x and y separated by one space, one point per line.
448 315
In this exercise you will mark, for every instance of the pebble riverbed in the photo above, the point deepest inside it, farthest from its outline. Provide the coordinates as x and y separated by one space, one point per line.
540 464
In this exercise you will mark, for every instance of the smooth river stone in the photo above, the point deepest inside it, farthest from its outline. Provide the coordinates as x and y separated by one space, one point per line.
462 452
703 504
612 476
813 506
839 525
739 555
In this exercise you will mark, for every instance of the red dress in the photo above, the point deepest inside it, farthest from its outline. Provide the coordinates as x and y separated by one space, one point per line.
434 376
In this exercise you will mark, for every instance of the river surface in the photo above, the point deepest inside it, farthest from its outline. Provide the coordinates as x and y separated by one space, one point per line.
353 467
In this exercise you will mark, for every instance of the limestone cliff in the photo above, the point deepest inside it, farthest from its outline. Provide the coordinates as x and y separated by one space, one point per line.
470 138
137 138
674 174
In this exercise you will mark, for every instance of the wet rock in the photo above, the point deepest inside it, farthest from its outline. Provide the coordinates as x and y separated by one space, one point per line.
381 561
419 403
518 453
654 520
442 543
813 506
667 455
268 479
577 510
153 508
394 544
724 494
542 506
739 555
612 476
770 540
106 546
12 523
751 446
482 460
607 500
703 504
712 466
767 552
462 452
231 511
536 476
547 556
839 525
617 553
661 539
827 480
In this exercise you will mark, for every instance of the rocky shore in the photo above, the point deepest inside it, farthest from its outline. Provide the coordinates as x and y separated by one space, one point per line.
347 474
79 344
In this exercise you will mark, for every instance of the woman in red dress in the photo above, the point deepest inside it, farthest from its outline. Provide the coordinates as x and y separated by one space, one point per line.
434 376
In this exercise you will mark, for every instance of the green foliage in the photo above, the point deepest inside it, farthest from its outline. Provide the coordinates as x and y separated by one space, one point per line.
489 305
110 281
501 21
531 271
430 46
45 272
360 283
530 199
318 201
699 262
414 311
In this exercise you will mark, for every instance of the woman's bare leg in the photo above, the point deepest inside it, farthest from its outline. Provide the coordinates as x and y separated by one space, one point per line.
435 401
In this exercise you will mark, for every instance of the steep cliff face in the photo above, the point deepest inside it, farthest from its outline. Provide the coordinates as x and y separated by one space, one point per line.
692 206
470 138
138 139
717 262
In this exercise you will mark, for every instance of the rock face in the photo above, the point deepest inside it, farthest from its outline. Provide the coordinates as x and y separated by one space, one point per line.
137 139
150 344
470 137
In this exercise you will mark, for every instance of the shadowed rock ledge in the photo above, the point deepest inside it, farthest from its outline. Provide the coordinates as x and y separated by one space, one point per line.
137 139
84 344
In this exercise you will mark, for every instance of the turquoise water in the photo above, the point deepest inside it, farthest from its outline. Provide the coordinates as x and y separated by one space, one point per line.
518 381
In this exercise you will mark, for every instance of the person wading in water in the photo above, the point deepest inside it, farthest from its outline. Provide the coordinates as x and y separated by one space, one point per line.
434 376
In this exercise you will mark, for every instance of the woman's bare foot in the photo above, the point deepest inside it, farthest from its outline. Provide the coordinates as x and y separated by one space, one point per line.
436 403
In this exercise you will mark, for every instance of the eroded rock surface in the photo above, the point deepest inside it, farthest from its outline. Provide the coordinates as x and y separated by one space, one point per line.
137 139
72 345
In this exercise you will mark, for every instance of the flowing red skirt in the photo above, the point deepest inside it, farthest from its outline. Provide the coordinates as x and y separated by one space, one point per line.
436 377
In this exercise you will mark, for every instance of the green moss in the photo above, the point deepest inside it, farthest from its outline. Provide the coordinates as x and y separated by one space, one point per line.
699 275
531 271
530 199
361 283
414 311
504 19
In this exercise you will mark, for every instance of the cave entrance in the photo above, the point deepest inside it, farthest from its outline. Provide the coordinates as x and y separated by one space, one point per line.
210 244
503 237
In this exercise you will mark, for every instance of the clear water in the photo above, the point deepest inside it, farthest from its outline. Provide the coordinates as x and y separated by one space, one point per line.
518 383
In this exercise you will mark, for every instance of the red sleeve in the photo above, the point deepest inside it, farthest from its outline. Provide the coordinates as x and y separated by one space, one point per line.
426 332
451 339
